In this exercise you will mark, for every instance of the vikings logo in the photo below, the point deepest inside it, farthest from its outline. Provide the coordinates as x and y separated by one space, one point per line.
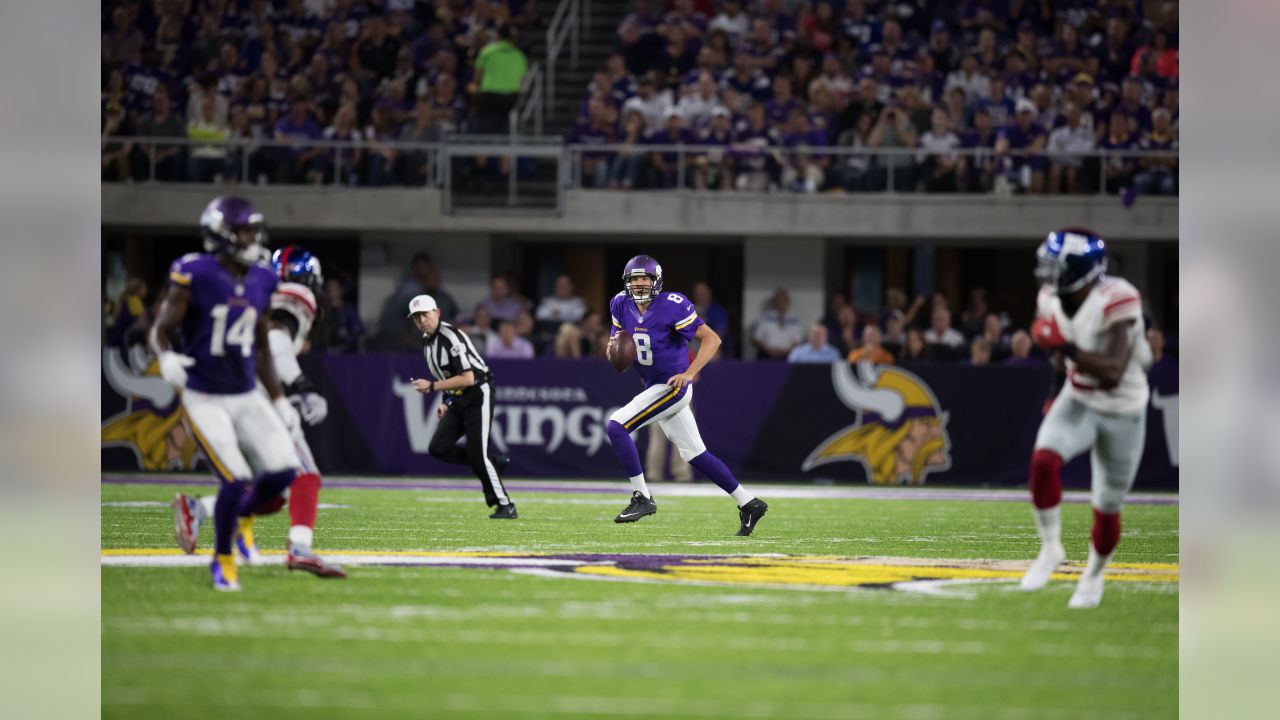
152 425
900 435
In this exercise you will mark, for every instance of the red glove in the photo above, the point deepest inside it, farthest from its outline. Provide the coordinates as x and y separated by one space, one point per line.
1045 331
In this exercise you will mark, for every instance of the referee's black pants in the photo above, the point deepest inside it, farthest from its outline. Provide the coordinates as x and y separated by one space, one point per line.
471 416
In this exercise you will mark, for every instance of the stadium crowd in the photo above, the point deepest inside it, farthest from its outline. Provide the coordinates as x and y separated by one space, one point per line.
359 73
769 84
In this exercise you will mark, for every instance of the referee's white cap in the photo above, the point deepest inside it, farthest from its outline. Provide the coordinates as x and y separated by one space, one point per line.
422 303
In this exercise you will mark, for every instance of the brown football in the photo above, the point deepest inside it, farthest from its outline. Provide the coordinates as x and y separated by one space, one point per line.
623 351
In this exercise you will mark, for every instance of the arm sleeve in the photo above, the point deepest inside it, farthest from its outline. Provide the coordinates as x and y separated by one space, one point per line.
179 273
282 355
614 325
458 360
1122 308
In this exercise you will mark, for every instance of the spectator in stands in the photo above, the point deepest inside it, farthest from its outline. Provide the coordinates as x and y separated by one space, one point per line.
415 164
502 304
123 43
732 21
851 171
916 350
563 306
940 331
502 67
568 343
480 330
425 280
592 328
993 331
971 79
665 164
835 301
342 320
870 350
895 301
1020 351
1073 137
160 123
943 170
712 169
343 130
777 331
298 164
982 165
207 161
1158 175
624 169
845 334
383 158
697 106
1021 144
818 28
817 350
712 313
755 167
894 336
893 129
598 130
652 103
115 155
973 317
998 105
509 345
376 50
946 57
979 352
1120 168
804 171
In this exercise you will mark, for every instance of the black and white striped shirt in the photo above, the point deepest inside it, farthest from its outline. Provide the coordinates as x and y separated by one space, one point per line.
449 352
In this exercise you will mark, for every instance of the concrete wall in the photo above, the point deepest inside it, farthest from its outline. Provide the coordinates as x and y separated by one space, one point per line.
603 213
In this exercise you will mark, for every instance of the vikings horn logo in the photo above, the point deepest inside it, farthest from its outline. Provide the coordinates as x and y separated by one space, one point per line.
152 425
900 433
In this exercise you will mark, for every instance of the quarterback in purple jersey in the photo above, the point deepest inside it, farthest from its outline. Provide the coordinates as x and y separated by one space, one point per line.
661 324
220 300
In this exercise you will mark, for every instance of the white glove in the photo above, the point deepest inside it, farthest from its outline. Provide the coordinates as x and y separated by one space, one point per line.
286 412
173 367
311 406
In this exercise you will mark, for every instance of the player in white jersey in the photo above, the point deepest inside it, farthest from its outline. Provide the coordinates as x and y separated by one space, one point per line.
1092 324
292 314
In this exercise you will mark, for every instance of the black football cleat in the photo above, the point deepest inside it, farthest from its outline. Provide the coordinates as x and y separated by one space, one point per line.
505 512
500 461
637 508
750 515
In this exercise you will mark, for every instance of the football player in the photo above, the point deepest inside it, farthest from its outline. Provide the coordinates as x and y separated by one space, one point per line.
661 324
293 311
1092 325
220 301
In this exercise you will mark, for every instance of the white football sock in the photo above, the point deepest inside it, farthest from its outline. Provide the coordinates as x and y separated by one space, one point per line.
637 484
741 496
1049 524
204 507
1097 563
300 538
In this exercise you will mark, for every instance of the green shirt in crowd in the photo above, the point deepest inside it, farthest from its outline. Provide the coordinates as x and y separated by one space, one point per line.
502 66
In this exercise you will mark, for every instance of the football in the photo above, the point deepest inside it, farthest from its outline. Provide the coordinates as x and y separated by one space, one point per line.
622 351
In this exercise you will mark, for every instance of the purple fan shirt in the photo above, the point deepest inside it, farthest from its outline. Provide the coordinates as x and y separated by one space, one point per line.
661 333
222 316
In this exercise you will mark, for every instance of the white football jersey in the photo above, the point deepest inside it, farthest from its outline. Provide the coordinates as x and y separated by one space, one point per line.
1111 301
297 300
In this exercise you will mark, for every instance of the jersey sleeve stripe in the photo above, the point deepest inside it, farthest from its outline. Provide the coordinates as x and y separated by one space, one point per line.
300 298
179 279
685 322
1117 304
615 322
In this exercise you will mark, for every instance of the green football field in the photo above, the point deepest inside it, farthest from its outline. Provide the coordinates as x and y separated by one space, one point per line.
836 608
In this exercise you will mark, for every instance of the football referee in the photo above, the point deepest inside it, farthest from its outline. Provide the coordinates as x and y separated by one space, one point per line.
466 407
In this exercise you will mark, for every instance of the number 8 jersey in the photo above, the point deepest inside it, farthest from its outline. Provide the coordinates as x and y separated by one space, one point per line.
222 317
661 333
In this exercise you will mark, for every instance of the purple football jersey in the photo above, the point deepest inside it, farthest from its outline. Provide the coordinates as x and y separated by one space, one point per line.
222 317
661 333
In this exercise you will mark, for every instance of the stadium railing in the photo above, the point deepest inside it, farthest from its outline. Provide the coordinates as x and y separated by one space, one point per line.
566 25
775 163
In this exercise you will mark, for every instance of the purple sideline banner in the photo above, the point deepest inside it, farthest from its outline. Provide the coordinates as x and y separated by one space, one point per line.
768 421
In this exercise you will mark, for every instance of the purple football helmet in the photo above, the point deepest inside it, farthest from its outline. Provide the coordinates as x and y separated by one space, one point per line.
222 218
641 266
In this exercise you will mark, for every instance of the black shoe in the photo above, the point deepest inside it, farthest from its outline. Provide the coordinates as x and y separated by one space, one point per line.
750 515
505 512
637 508
500 461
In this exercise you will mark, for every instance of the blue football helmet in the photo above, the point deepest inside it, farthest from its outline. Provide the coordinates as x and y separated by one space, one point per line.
222 220
1070 259
641 266
294 264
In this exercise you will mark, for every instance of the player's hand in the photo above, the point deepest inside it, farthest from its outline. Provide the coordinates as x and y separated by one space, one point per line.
679 381
608 349
173 368
1046 332
421 385
311 406
285 410
441 409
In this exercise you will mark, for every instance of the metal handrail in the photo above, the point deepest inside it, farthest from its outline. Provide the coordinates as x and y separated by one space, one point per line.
530 104
565 25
